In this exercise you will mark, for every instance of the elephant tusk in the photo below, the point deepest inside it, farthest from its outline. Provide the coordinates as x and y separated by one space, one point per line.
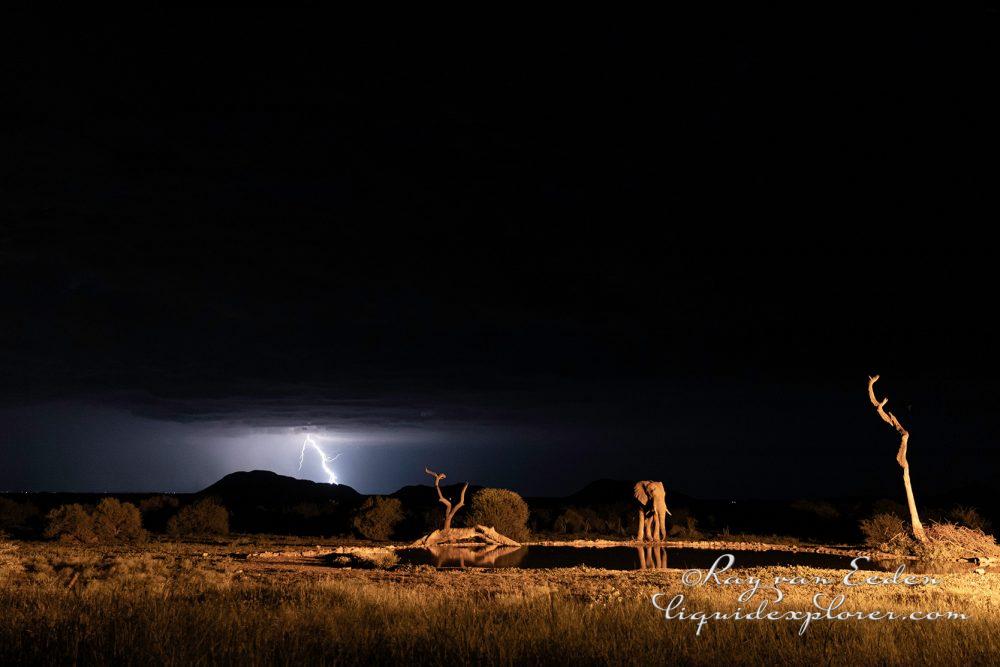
668 513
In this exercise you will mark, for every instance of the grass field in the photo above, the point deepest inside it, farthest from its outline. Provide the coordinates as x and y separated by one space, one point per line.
169 603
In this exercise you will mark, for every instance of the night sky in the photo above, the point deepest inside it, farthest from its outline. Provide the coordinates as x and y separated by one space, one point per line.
529 256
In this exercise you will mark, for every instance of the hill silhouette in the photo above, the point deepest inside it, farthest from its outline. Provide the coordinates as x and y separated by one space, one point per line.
261 501
266 487
614 491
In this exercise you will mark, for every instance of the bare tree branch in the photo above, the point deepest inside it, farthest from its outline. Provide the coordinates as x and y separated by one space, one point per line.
891 420
449 511
461 500
438 476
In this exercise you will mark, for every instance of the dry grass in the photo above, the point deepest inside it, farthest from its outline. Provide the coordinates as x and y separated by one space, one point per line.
949 540
177 604
889 534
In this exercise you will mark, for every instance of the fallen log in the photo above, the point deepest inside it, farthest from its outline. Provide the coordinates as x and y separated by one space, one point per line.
476 535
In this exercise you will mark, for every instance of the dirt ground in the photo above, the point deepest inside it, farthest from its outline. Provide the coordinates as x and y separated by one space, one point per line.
298 560
274 600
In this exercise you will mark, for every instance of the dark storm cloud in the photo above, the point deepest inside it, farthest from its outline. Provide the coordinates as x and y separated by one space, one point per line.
630 248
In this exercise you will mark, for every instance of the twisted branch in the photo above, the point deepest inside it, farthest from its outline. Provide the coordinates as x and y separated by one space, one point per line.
891 420
449 511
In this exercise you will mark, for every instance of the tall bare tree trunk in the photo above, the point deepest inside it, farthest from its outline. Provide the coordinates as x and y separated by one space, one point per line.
890 419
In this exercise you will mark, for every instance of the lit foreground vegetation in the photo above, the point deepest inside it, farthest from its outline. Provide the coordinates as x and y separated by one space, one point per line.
186 604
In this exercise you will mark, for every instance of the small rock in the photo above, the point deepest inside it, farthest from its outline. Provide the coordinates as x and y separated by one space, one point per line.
980 570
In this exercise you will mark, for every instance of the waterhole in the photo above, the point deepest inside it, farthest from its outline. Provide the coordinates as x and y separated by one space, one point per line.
640 558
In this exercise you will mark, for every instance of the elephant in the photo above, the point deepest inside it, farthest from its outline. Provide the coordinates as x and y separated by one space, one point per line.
653 511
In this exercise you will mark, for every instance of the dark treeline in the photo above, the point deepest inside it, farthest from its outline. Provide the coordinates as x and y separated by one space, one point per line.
266 503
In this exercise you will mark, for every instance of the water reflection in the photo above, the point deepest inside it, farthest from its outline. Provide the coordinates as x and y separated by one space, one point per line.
488 555
652 558
645 558
925 566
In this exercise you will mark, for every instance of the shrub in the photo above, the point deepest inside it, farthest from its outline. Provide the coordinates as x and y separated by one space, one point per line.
818 508
116 521
541 519
948 540
110 521
603 520
377 517
157 510
683 526
615 518
205 517
501 509
615 526
888 533
71 523
593 521
970 518
14 515
571 521
156 503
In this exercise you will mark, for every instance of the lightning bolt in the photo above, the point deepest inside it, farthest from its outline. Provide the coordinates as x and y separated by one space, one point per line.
324 459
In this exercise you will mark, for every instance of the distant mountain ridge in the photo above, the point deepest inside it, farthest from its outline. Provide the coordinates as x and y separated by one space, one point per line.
272 488
264 501
416 495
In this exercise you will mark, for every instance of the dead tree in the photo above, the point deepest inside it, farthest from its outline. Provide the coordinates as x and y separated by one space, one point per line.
890 419
475 536
449 511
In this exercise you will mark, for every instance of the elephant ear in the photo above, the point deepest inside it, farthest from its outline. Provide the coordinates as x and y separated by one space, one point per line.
640 492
